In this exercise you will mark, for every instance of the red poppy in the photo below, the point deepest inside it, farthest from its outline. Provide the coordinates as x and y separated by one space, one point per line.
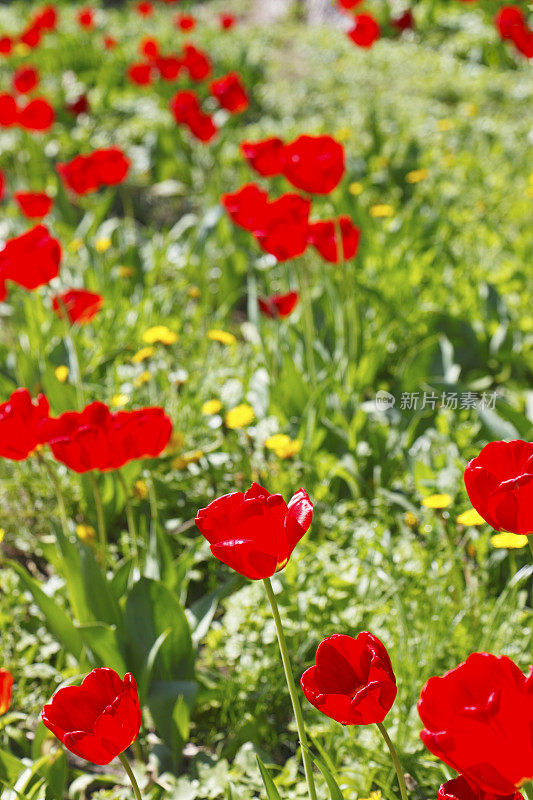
145 8
255 533
95 438
462 788
314 164
365 30
477 719
227 21
353 681
81 306
6 686
508 20
169 67
404 22
283 230
8 110
202 127
79 106
31 259
34 205
499 482
185 105
149 48
6 45
86 18
324 236
110 42
230 93
279 305
141 74
38 115
186 22
247 206
25 79
98 720
22 425
197 63
265 157
348 4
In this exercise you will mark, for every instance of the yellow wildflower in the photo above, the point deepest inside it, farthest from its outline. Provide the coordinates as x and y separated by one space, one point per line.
160 333
437 501
509 541
142 354
343 134
221 336
61 373
194 292
140 490
239 417
416 175
410 519
75 245
283 446
187 458
141 379
470 517
2 535
103 244
126 272
119 400
374 795
355 188
381 210
444 125
211 407
86 533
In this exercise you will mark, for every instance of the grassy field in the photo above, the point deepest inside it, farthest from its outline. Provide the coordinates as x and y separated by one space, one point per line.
435 127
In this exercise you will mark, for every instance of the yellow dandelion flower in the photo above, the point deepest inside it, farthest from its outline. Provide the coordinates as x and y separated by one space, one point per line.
211 407
239 417
159 333
410 519
2 535
381 210
126 272
140 490
143 354
283 446
416 175
119 400
141 379
343 134
508 541
437 501
470 517
102 244
86 533
61 373
374 795
221 336
194 292
187 458
355 188
444 125
75 245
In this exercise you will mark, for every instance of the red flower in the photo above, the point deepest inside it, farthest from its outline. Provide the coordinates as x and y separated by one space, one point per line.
86 18
477 719
324 236
353 681
348 4
283 231
97 439
462 788
21 426
185 105
141 74
314 164
266 157
98 720
185 21
81 306
6 45
169 67
25 79
365 31
34 205
6 686
499 482
46 18
196 63
85 174
404 22
31 36
523 41
255 533
227 21
79 106
508 20
230 93
279 305
78 175
202 127
144 8
38 115
149 48
31 259
247 206
110 42
8 111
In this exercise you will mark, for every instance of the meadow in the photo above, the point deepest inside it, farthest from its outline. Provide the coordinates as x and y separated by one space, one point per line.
395 368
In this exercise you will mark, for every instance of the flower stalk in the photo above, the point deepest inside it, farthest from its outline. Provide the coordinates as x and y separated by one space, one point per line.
395 760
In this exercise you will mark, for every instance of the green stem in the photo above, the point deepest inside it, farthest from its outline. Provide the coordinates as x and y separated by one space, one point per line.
58 490
530 542
308 767
395 760
308 321
73 354
131 776
130 518
102 536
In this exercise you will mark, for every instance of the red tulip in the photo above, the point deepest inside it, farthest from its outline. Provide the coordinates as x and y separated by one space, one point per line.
185 105
21 429
196 63
499 482
508 20
145 8
8 111
477 719
32 36
353 681
349 4
141 74
279 305
79 106
110 42
230 93
186 22
85 174
46 18
255 533
283 230
265 157
324 236
25 79
365 31
314 164
111 165
86 18
34 205
523 41
227 21
6 686
404 22
6 45
31 259
169 67
247 206
202 127
78 175
81 306
149 48
462 788
95 438
38 115
98 720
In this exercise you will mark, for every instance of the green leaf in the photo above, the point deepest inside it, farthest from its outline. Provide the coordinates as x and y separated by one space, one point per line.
270 787
103 641
334 791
